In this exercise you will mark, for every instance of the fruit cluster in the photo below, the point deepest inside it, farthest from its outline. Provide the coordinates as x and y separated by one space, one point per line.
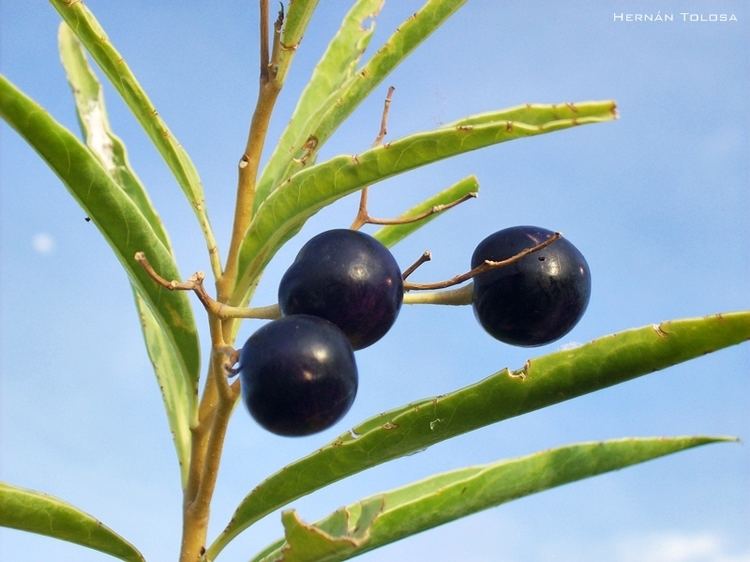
344 292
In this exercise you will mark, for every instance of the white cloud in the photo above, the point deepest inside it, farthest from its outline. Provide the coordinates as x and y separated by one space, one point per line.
42 243
678 546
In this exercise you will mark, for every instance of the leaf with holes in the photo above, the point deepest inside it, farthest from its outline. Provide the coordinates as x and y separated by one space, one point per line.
304 140
337 65
391 516
547 380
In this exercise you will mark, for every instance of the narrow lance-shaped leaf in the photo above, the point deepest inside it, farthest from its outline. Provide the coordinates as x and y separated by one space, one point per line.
39 513
91 34
547 380
394 515
284 212
533 113
391 235
177 384
341 103
337 65
92 116
178 387
295 23
116 216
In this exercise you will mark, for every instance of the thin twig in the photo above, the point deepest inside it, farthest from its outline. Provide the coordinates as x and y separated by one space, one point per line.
215 309
435 209
488 265
194 283
425 257
362 217
140 257
383 131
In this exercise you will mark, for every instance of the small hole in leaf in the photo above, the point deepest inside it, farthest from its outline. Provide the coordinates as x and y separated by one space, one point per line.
541 258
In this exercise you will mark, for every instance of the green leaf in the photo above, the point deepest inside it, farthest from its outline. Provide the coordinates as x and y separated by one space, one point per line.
177 384
342 102
391 516
337 65
295 23
39 513
536 113
393 234
544 381
113 212
340 535
92 116
287 208
91 34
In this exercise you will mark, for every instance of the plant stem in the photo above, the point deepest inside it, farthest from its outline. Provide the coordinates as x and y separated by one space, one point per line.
215 411
268 92
219 397
363 217
216 310
487 265
194 516
454 297
424 258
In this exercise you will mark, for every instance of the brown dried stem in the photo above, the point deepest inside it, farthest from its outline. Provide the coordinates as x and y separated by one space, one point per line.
421 216
488 265
362 217
215 309
425 257
383 131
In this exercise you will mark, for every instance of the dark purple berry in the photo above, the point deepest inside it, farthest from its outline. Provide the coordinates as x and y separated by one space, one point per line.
535 300
349 278
298 375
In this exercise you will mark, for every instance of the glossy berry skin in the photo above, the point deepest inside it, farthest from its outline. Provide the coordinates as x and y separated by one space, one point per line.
349 278
298 375
536 300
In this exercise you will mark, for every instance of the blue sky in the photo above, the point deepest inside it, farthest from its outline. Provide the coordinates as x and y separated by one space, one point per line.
656 201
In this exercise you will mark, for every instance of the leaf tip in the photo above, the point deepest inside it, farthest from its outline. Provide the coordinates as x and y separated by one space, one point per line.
700 440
